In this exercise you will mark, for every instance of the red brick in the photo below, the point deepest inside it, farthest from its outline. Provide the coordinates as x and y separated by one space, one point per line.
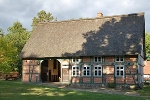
119 80
146 67
25 69
75 80
25 63
130 58
131 69
129 80
86 59
25 77
109 59
97 80
109 69
86 80
109 78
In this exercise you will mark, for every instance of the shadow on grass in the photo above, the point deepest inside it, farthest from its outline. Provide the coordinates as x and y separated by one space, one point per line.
145 91
15 90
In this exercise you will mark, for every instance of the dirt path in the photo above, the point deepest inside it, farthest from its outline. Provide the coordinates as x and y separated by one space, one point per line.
99 89
107 90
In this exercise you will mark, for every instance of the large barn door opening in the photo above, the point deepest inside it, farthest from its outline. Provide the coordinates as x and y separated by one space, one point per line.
54 70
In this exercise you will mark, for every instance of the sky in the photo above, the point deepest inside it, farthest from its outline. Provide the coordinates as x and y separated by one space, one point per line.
24 11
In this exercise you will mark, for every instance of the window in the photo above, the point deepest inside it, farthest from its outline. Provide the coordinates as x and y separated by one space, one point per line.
86 71
119 59
119 71
97 59
75 60
98 70
75 71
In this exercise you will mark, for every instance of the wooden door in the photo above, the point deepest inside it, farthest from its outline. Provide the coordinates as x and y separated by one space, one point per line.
65 74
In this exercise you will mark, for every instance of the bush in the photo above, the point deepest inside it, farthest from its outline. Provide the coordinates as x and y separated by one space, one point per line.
146 83
112 85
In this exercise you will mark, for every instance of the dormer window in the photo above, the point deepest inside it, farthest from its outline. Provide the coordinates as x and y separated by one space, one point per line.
97 59
119 59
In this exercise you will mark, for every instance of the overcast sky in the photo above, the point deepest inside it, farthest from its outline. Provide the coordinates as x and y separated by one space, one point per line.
24 10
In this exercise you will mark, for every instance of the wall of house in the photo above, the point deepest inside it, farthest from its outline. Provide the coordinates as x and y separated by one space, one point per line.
108 71
147 71
140 64
65 70
30 71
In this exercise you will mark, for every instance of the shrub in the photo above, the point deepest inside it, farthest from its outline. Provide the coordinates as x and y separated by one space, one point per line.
112 85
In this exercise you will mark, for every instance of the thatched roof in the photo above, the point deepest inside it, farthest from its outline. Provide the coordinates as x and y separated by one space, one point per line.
108 35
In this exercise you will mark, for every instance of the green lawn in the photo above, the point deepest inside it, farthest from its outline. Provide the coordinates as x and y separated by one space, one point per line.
145 91
15 90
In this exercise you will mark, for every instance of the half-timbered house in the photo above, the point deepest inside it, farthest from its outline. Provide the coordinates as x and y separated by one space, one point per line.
93 51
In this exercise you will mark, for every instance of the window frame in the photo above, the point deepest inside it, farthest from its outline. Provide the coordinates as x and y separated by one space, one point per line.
97 57
86 70
76 69
120 57
119 70
76 60
97 70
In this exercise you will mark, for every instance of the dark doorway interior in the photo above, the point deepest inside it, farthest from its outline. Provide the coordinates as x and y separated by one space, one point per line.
44 71
59 70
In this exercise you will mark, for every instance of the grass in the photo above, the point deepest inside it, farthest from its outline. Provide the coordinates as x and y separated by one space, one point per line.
15 90
146 90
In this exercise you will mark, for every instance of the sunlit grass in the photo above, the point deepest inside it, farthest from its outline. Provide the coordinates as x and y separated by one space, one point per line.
145 91
15 90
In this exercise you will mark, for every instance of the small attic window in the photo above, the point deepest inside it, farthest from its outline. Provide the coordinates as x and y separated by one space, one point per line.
76 60
97 59
119 59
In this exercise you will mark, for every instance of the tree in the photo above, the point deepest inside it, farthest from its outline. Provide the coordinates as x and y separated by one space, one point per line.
1 32
147 45
7 55
42 16
18 36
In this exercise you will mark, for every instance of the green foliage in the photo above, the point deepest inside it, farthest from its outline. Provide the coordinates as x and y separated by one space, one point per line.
18 36
146 83
42 16
12 44
146 90
1 32
147 45
111 85
7 55
72 19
